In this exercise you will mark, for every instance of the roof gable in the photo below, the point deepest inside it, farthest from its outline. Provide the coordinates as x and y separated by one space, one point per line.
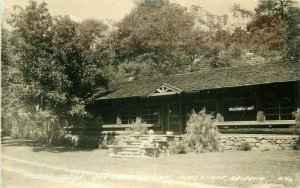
165 89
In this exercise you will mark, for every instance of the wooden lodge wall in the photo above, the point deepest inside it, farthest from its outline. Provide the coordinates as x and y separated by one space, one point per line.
277 101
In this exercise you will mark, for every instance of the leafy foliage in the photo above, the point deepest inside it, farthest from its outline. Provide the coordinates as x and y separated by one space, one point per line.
297 119
55 71
201 134
137 127
245 146
177 148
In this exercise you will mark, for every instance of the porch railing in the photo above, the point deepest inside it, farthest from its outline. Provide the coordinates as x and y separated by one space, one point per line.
254 127
115 126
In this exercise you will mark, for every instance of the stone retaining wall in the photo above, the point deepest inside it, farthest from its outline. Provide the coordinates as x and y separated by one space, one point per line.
258 142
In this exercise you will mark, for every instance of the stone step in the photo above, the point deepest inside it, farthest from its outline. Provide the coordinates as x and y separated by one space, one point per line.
131 141
135 144
129 153
131 149
125 156
124 146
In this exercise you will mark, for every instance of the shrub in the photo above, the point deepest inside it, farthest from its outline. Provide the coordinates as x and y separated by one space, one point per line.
138 126
219 118
296 114
88 141
245 146
201 133
107 139
177 148
261 116
297 119
296 146
71 140
15 132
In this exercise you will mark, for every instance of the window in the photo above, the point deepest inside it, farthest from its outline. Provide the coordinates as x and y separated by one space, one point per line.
149 115
210 106
128 117
279 109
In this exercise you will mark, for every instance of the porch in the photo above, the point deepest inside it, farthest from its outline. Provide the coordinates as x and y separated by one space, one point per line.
227 127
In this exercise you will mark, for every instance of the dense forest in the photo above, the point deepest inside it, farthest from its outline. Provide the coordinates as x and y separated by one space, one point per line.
52 65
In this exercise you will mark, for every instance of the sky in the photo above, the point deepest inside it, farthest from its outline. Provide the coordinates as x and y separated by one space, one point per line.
117 9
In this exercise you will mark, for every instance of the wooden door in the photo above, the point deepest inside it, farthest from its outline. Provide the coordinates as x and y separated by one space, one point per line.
174 117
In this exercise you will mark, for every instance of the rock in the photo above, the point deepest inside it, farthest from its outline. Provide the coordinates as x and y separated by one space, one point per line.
254 148
279 141
264 142
258 145
259 138
229 148
251 140
229 143
266 147
238 139
252 145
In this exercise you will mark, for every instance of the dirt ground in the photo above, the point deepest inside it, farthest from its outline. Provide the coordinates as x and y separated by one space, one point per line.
25 166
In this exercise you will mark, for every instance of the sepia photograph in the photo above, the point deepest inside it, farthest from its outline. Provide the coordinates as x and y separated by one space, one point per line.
150 93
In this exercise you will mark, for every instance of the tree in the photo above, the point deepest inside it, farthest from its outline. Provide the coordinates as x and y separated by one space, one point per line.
293 34
164 38
284 13
12 84
274 7
56 63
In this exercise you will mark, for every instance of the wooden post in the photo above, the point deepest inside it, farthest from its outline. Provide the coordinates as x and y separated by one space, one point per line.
297 93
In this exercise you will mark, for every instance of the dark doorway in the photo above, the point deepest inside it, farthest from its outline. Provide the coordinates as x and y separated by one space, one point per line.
174 117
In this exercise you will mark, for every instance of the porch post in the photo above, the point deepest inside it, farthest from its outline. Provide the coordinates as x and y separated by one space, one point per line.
297 93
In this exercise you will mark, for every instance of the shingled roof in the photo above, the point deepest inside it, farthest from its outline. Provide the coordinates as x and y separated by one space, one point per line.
204 80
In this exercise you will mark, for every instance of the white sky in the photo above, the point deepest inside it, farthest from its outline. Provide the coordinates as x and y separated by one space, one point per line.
116 9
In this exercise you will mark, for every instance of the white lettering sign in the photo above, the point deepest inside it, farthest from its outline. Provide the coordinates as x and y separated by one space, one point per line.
241 108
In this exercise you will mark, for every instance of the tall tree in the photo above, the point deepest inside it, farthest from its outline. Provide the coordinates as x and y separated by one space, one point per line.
287 14
55 62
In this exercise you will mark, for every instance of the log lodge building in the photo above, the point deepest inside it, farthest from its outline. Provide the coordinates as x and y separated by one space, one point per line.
237 93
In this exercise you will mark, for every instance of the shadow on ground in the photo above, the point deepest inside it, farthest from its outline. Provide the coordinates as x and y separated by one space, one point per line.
38 147
59 149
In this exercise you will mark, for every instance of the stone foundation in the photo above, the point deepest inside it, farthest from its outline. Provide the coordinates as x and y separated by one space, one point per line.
258 142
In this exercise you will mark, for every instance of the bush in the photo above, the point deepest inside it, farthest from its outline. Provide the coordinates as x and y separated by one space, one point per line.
138 126
296 146
245 146
297 119
107 139
219 118
260 116
71 140
177 148
201 133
